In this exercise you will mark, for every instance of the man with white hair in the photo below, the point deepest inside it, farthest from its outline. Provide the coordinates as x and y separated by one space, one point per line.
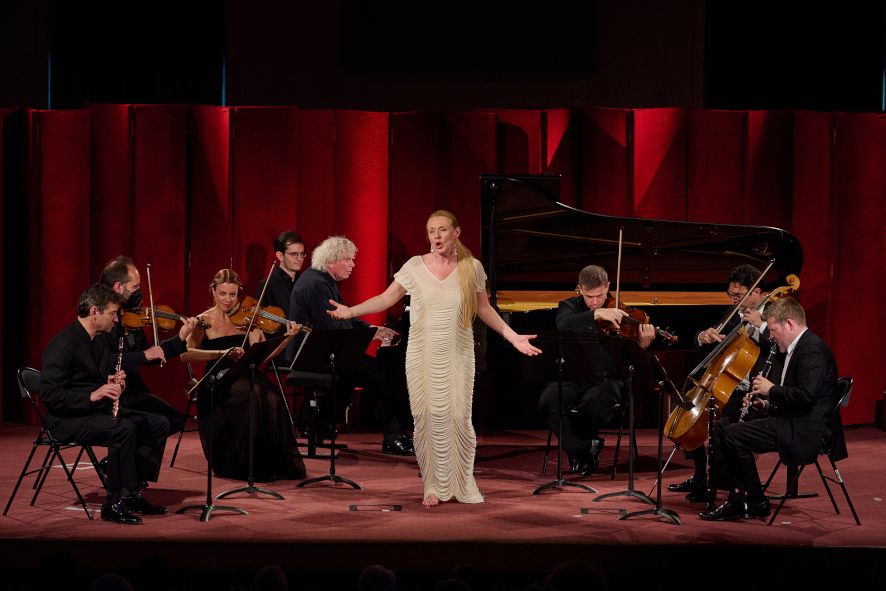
331 262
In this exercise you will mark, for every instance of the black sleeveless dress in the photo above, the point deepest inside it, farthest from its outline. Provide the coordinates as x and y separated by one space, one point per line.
276 455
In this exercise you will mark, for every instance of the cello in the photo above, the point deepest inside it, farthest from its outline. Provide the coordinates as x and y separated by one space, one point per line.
724 369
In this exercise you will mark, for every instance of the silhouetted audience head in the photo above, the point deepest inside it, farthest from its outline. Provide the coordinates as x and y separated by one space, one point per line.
452 585
476 579
576 575
270 578
375 577
110 582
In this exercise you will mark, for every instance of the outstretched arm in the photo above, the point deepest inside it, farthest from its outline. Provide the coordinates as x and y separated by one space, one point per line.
378 303
488 315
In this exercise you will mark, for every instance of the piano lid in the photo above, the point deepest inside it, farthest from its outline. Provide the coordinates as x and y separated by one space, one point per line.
534 243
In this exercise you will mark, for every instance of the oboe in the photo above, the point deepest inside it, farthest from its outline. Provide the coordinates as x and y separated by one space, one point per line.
767 367
115 408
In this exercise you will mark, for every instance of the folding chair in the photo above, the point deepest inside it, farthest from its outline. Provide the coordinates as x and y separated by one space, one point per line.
829 449
29 386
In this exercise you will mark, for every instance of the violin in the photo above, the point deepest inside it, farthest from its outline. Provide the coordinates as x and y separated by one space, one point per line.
164 315
629 327
269 318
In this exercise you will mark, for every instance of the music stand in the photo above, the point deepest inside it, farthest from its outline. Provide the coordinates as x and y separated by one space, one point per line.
321 355
257 354
566 357
665 385
628 355
208 507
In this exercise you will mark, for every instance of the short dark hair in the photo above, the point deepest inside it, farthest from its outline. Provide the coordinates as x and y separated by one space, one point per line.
593 276
116 270
98 295
285 239
745 275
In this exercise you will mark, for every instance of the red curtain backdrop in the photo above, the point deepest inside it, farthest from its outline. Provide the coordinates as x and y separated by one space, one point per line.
192 189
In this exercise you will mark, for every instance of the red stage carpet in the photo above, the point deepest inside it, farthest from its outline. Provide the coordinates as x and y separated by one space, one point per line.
513 535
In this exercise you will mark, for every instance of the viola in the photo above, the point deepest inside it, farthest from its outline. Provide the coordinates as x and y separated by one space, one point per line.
629 327
164 315
268 318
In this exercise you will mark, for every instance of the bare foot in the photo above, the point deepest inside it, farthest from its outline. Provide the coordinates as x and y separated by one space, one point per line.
430 500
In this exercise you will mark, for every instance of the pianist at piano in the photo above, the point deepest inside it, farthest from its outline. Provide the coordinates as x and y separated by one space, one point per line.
587 407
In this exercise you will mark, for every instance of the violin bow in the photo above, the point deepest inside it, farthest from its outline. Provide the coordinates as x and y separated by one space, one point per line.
618 270
257 310
151 302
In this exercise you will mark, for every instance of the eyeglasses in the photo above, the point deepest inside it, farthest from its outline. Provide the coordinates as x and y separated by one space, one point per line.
297 255
736 295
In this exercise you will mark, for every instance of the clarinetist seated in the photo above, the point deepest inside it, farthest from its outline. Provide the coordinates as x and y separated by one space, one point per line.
81 381
798 396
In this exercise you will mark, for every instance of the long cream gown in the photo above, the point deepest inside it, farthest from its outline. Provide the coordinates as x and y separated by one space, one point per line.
440 377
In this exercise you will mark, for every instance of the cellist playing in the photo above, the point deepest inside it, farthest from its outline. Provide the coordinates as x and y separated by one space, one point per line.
740 280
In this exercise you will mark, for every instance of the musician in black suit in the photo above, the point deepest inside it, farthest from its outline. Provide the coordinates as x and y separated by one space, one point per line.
740 280
122 276
78 387
798 399
587 407
289 248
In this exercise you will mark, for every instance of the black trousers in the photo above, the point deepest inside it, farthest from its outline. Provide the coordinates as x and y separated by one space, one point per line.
145 401
586 409
730 413
735 444
135 444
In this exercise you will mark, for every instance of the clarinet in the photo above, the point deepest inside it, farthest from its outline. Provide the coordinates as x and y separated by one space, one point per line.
767 367
115 408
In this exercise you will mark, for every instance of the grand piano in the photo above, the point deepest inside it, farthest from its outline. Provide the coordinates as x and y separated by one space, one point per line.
534 246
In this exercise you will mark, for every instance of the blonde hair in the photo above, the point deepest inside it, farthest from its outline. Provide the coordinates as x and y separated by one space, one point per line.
467 281
225 276
783 309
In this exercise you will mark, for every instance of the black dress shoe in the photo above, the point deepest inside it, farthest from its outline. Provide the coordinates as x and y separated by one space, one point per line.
590 460
407 443
574 462
759 509
139 504
731 510
397 448
119 512
688 485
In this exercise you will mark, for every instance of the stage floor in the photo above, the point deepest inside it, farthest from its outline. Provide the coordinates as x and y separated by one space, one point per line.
316 529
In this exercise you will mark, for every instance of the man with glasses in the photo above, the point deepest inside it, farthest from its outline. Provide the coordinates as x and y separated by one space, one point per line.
740 280
289 249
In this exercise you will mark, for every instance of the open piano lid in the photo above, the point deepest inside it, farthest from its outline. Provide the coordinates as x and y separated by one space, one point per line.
534 246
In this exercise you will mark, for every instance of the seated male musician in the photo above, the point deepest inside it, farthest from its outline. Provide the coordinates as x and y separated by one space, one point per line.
588 407
740 280
798 398
79 384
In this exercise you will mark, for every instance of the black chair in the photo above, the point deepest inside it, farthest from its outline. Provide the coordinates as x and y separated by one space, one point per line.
830 447
192 404
29 386
623 415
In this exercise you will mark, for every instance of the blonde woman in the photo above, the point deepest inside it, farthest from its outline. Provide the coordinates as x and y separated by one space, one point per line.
447 289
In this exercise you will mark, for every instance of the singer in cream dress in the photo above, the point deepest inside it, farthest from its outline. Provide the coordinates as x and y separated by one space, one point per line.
440 377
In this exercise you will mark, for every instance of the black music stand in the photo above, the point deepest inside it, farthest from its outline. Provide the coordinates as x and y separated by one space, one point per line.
257 354
566 357
321 355
208 507
665 386
628 355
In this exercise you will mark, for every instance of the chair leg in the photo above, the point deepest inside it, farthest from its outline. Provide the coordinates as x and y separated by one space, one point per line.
42 467
21 477
845 492
784 497
621 428
544 465
70 475
827 487
771 476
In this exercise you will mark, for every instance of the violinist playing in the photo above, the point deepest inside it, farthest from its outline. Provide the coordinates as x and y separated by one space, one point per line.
275 453
588 407
740 280
122 276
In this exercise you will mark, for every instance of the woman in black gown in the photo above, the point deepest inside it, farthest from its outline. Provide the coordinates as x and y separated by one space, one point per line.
275 452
